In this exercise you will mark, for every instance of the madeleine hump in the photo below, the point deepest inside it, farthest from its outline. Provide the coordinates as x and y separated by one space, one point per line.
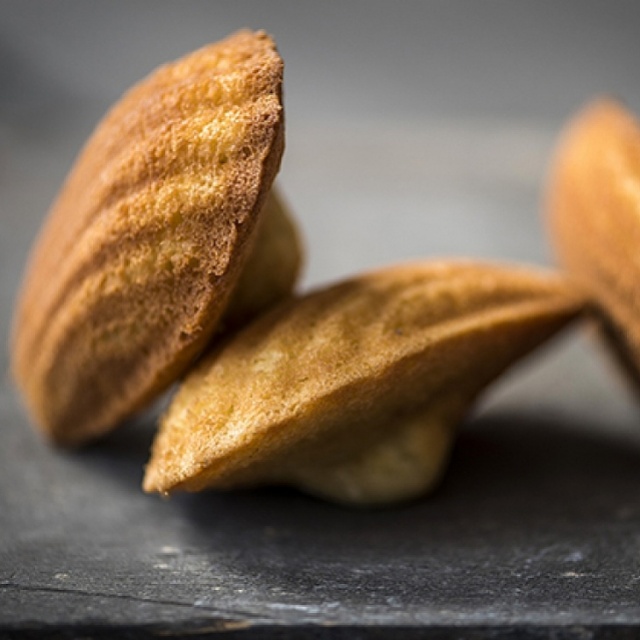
593 212
136 265
353 392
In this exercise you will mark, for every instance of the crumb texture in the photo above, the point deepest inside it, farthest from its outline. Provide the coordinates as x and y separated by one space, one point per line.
339 379
407 462
273 266
138 257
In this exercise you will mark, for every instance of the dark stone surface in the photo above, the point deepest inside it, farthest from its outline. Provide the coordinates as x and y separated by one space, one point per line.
536 529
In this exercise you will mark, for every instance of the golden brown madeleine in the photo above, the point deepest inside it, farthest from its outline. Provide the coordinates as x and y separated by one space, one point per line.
272 268
136 263
353 392
594 218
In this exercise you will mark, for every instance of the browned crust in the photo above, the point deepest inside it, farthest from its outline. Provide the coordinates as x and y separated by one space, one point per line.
323 376
273 266
593 212
137 259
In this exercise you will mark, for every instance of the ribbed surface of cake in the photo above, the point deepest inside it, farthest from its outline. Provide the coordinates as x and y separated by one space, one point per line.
137 260
594 219
353 392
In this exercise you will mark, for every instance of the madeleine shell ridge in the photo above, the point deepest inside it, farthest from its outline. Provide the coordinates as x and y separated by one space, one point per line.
319 380
138 257
593 215
273 266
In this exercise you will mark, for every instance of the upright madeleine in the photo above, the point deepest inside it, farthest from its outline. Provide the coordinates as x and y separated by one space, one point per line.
138 258
593 204
353 392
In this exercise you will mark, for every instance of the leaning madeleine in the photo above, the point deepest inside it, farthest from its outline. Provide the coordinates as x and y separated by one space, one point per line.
353 392
165 212
593 211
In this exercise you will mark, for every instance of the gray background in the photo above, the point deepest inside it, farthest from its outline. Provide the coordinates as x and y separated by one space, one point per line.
402 117
413 129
